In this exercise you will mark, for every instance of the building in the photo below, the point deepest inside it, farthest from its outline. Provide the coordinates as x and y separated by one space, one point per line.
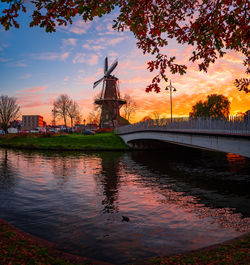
31 122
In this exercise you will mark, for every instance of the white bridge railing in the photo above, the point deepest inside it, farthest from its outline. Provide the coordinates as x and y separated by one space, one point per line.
232 126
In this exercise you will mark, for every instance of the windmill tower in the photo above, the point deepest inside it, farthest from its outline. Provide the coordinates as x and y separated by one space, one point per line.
109 100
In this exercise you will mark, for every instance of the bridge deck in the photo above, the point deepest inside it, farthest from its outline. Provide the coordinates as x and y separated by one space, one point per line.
217 135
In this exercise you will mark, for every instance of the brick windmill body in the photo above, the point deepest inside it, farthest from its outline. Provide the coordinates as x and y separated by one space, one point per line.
110 100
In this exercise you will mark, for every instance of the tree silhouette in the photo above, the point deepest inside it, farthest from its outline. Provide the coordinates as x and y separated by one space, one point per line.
9 111
129 108
73 112
216 106
61 106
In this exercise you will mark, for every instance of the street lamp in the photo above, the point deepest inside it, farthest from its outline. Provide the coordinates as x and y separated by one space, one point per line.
171 89
84 123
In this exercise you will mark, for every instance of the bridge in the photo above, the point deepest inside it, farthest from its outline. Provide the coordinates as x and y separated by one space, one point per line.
230 136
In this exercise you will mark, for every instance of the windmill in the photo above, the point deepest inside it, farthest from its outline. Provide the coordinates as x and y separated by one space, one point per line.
110 100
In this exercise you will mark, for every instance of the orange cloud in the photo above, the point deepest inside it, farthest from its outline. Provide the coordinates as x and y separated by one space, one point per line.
134 77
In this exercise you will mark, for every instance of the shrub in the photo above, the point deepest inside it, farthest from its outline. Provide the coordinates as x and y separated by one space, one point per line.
103 130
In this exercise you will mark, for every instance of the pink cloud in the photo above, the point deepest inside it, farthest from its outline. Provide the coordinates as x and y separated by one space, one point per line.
117 40
33 104
32 89
32 97
26 76
66 79
51 56
69 42
93 47
84 58
93 60
29 100
80 27
108 41
89 80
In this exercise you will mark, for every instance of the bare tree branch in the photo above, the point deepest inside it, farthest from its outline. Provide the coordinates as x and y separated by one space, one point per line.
9 111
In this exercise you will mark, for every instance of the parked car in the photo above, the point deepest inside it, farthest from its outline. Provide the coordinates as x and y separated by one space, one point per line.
12 130
2 132
87 132
62 130
53 130
34 131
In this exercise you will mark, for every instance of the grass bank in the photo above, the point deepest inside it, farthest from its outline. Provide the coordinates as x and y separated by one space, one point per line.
76 142
18 247
233 252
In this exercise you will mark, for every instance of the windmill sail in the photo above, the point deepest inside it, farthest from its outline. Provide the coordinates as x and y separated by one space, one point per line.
110 70
105 65
107 71
98 82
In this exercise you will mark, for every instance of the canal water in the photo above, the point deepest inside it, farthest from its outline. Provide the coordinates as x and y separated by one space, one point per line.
123 207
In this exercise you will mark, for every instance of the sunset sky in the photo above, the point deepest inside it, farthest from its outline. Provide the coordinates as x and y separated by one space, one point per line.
36 67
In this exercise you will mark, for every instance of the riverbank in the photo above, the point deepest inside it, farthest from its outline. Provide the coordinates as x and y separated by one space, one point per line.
18 247
233 252
67 142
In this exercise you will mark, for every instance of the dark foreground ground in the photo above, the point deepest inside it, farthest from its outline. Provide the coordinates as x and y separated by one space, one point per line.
18 247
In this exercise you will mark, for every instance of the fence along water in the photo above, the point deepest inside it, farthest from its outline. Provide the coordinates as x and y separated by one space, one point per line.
234 125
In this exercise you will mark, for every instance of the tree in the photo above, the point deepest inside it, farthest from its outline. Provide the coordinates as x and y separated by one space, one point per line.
73 111
129 108
242 84
146 118
156 115
212 27
94 116
199 110
78 119
9 111
215 106
61 106
54 114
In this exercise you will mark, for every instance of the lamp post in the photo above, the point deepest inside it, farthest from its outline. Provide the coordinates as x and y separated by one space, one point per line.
171 89
84 123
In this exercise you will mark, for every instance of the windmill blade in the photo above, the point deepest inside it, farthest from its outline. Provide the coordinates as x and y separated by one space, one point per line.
98 82
111 69
105 65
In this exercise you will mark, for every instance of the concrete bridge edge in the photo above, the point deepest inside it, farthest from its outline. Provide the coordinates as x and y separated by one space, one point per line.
239 146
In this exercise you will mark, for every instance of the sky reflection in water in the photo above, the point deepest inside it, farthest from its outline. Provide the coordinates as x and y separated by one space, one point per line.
176 201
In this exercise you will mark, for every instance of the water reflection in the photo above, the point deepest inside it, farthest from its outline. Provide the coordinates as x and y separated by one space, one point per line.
7 172
108 180
207 175
176 201
235 162
63 168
